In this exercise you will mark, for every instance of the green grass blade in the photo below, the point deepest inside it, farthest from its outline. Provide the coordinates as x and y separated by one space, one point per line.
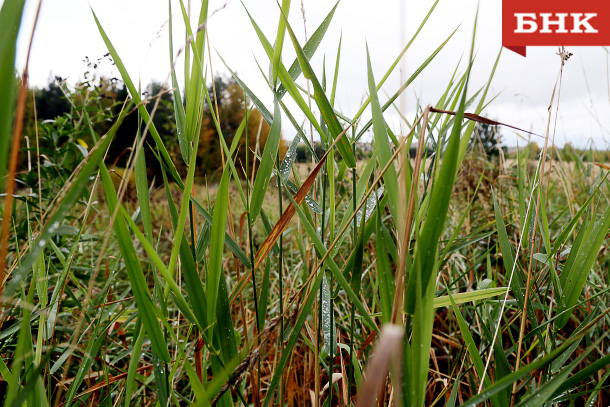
333 93
579 264
546 391
219 222
334 268
439 205
139 286
384 274
507 381
179 113
324 105
264 295
91 352
133 363
266 165
279 41
471 346
10 21
169 280
184 206
461 298
382 143
396 61
137 99
404 86
288 82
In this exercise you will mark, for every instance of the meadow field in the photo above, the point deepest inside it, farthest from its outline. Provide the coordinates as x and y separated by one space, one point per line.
423 268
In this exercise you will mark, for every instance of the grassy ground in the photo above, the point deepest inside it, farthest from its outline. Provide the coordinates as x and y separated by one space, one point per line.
448 278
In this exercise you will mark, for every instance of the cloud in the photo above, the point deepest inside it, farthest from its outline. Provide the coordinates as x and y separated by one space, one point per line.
138 28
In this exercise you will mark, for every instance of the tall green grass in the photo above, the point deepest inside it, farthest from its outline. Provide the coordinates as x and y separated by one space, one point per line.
383 280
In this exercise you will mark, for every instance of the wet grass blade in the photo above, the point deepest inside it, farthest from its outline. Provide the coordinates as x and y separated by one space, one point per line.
133 363
310 48
384 274
91 352
169 280
324 105
507 381
282 223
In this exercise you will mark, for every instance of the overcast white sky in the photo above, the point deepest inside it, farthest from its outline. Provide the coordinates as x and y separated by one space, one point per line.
67 33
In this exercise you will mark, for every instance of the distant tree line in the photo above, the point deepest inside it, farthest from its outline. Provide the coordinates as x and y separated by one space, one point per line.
59 108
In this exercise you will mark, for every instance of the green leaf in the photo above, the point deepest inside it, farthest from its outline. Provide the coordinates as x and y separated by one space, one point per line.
231 244
93 347
133 363
10 21
185 146
267 163
219 223
508 380
137 99
471 296
324 105
579 264
382 144
384 273
439 205
279 41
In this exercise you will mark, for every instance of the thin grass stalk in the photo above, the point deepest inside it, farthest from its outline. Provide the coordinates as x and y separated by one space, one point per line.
353 308
400 288
256 394
317 347
319 328
281 277
323 270
533 235
13 161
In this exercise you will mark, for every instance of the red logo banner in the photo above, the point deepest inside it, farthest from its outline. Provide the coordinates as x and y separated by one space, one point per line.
554 23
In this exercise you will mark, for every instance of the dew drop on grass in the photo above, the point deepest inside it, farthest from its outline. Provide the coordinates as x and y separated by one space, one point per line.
371 202
289 158
326 314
